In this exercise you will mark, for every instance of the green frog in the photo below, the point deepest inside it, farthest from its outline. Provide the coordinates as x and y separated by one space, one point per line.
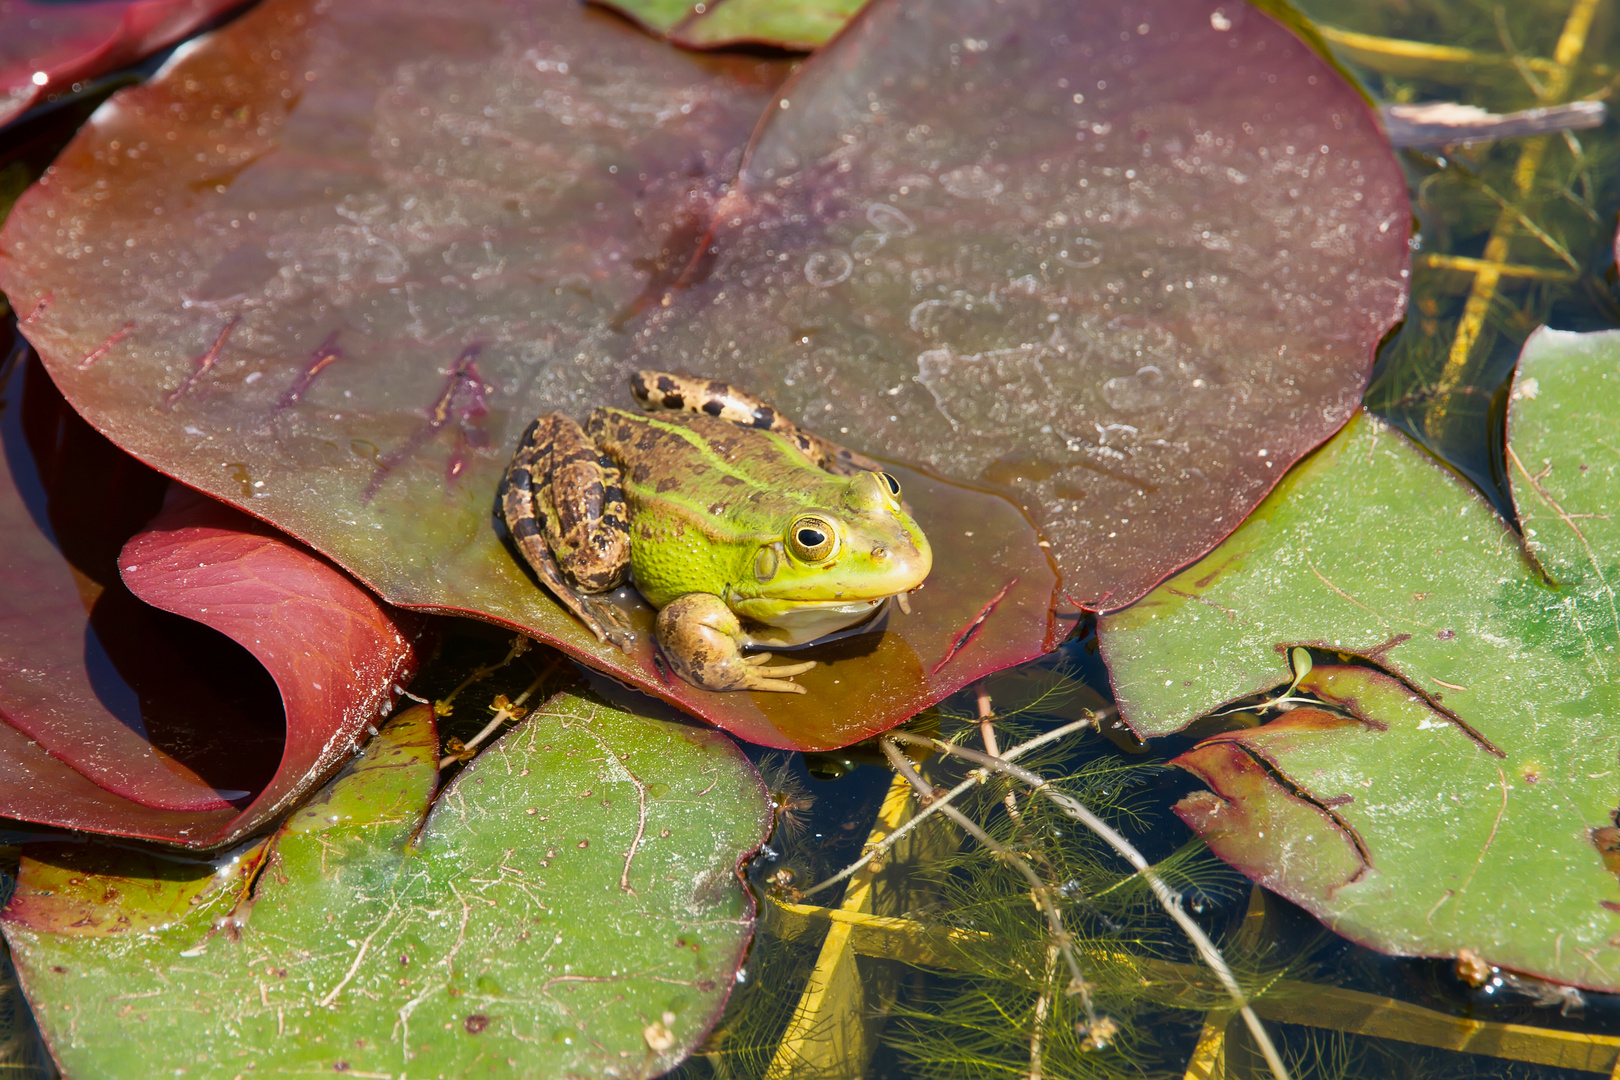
743 530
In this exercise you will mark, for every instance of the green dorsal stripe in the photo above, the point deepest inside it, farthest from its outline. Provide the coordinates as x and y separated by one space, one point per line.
785 452
781 474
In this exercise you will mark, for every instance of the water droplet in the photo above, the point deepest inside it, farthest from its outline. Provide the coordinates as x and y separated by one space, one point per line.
1140 391
971 182
867 244
1081 253
889 221
925 316
824 269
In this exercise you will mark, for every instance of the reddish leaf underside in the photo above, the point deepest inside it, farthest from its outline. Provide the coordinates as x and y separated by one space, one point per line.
380 240
335 651
118 718
1126 263
68 43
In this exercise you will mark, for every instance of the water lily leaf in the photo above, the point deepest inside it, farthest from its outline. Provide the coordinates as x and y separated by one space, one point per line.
570 908
1125 264
1480 785
47 47
120 719
335 652
1402 832
656 16
345 334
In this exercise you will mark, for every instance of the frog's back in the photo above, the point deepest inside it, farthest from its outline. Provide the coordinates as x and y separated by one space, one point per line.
704 493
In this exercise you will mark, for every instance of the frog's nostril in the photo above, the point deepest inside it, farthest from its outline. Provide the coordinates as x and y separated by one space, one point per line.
880 552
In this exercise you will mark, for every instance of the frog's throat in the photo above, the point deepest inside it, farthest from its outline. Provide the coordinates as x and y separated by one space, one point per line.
797 622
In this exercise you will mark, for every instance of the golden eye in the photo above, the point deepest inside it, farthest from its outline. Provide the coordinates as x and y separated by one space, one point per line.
812 539
894 485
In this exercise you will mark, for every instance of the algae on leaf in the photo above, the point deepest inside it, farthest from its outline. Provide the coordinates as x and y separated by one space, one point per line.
570 906
1468 803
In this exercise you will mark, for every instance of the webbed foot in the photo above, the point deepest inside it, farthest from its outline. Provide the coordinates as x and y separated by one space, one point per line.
607 621
700 637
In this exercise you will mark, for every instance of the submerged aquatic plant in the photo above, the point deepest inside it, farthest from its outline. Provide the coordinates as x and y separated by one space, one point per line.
22 1051
1054 964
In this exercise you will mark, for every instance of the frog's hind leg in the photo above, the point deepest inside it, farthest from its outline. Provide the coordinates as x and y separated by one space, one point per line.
661 391
565 509
700 637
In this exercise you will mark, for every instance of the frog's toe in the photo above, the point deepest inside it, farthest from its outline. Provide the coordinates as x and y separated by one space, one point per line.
702 640
781 670
785 686
610 624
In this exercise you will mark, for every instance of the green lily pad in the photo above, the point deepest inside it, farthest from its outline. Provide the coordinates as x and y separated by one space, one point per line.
568 907
1403 833
1479 787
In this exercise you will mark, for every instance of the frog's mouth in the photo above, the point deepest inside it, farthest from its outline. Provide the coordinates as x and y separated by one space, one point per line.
797 622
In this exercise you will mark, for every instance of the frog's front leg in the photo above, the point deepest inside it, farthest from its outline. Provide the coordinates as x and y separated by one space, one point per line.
564 506
661 391
701 639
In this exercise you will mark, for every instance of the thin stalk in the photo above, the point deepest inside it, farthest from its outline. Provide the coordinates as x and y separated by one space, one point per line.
1038 887
520 645
987 732
978 777
509 711
1166 897
1043 1005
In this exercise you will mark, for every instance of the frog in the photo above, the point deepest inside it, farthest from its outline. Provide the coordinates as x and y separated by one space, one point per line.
746 532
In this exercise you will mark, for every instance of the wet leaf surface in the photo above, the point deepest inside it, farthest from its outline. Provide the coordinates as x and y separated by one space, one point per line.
71 43
1404 834
1126 268
570 908
367 259
1480 787
120 718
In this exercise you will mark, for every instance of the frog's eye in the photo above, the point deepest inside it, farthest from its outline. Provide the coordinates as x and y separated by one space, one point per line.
812 539
893 484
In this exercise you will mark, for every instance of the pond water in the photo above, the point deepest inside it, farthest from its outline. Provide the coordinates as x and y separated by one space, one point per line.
936 962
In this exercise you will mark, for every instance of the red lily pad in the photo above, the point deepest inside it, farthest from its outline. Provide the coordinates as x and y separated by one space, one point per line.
345 334
47 47
365 247
118 718
1123 263
335 651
